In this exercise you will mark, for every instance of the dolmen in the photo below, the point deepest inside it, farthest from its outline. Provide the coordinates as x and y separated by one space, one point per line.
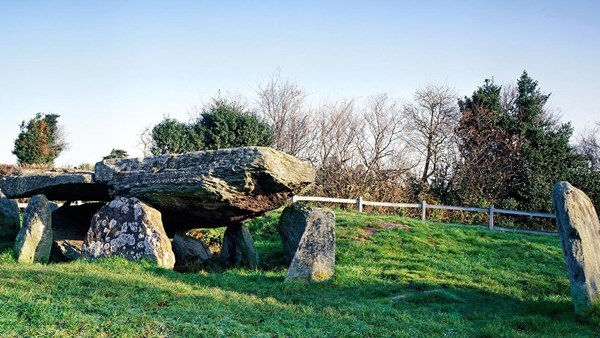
579 230
135 205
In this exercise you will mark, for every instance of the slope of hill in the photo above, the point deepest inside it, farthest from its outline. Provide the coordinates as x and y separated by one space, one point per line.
394 277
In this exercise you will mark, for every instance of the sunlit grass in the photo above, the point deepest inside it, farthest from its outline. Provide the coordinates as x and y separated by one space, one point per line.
453 281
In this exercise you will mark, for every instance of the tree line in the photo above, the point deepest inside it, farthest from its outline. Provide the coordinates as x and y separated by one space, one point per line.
501 145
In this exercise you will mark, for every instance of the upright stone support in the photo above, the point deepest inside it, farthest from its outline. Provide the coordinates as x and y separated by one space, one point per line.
34 241
579 230
9 219
129 228
190 253
308 236
238 248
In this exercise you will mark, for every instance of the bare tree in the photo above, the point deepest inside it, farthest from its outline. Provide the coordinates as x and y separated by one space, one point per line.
379 135
145 141
431 120
360 154
282 104
61 138
335 134
588 144
333 148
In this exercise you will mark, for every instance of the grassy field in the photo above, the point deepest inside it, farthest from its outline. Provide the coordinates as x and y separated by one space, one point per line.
452 281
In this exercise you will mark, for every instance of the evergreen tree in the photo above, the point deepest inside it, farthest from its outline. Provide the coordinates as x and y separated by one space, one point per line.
116 153
487 148
546 156
225 126
173 137
222 125
513 151
40 140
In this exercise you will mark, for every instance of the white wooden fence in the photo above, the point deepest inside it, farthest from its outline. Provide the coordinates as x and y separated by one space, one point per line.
24 205
423 206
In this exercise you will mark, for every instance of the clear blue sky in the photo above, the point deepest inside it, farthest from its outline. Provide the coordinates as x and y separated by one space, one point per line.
109 68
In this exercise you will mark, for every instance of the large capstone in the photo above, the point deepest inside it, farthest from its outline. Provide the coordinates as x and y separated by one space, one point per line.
129 228
308 236
579 229
214 188
34 241
238 248
209 188
9 219
57 185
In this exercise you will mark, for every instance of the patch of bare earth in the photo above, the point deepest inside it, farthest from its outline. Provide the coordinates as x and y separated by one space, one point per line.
369 231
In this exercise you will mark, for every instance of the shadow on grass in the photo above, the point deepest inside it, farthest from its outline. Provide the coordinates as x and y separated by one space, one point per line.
472 309
134 296
107 295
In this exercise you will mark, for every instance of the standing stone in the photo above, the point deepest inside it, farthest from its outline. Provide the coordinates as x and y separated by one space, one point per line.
292 224
579 230
129 228
308 236
238 248
34 241
9 219
190 253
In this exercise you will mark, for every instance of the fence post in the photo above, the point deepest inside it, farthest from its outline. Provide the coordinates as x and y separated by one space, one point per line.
294 200
491 222
359 205
423 210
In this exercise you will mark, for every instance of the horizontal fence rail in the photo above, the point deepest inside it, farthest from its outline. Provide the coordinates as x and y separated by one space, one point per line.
24 205
524 213
423 206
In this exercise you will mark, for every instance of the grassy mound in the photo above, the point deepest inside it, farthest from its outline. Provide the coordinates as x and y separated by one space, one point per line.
394 277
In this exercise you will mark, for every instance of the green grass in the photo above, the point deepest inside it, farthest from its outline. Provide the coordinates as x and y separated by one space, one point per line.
454 281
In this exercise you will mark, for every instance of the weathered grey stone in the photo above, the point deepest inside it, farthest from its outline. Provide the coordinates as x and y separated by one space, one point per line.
579 230
9 219
292 224
310 234
238 248
213 238
53 206
190 253
55 185
66 250
202 189
34 241
129 228
209 188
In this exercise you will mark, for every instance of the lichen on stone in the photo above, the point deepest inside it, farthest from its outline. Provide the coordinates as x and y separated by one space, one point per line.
129 228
